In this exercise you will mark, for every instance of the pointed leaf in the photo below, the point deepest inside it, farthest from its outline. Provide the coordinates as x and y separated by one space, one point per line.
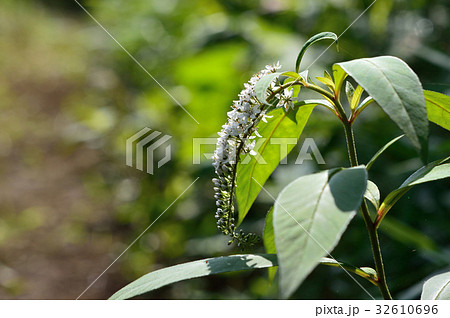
379 152
200 268
291 75
328 82
398 91
311 41
372 194
433 171
310 215
438 108
287 127
262 85
356 97
437 288
339 76
366 102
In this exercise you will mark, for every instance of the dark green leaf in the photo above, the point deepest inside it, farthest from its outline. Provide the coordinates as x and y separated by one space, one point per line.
398 91
438 108
310 215
285 125
437 288
200 268
311 41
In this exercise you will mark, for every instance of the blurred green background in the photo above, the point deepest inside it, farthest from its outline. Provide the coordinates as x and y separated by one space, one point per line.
70 97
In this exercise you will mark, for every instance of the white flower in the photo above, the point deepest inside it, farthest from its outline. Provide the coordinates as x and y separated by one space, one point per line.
234 140
286 98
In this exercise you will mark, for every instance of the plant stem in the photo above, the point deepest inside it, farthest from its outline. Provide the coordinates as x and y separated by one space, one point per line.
376 251
351 144
371 227
373 234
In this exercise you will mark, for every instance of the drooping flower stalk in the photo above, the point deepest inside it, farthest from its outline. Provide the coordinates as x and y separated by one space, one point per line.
237 138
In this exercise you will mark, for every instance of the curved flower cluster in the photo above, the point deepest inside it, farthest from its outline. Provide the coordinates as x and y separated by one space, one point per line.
236 138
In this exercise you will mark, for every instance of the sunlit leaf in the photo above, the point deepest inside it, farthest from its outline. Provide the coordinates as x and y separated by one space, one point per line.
200 268
398 91
328 82
287 127
437 288
310 215
339 76
291 75
356 97
438 108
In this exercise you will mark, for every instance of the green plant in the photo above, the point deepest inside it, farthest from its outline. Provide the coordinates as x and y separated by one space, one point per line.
310 214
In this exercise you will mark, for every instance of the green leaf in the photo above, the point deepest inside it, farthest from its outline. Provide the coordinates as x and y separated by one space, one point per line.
311 41
269 241
366 102
287 127
339 76
328 82
292 75
398 91
200 268
438 108
379 152
433 171
437 288
262 85
372 194
310 216
356 97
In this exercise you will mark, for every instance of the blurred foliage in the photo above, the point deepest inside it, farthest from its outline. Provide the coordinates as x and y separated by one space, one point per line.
70 97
